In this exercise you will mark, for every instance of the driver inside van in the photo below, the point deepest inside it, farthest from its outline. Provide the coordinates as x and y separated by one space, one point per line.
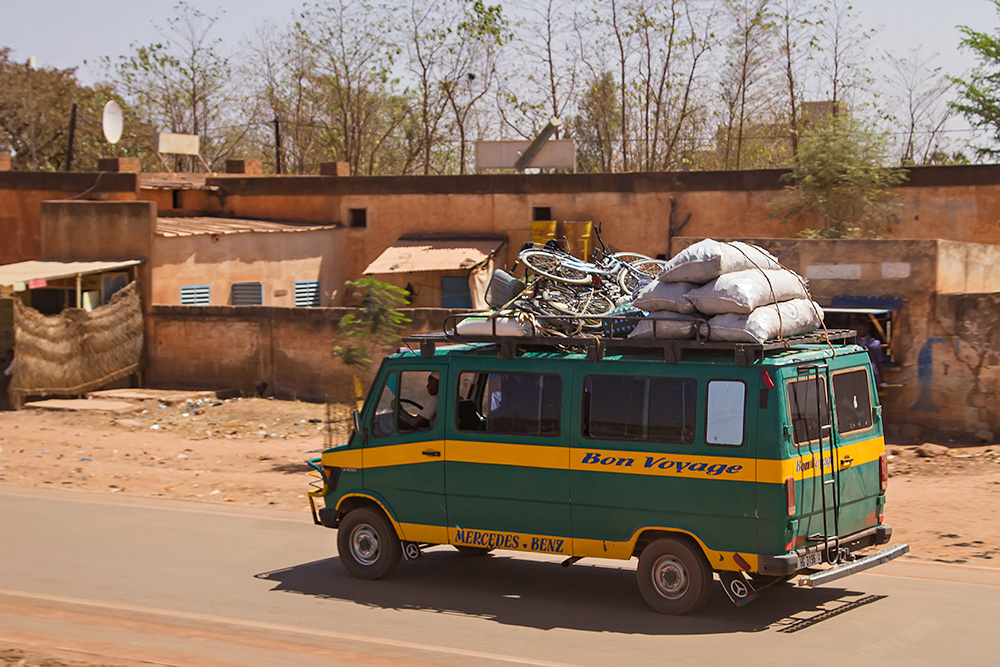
424 418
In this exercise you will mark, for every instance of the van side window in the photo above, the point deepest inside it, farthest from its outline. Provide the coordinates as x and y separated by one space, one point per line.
809 410
725 412
852 401
509 403
639 408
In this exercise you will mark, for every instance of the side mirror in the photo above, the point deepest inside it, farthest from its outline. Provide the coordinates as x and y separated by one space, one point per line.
356 417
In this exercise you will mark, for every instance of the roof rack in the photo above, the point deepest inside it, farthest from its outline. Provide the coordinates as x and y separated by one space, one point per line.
596 345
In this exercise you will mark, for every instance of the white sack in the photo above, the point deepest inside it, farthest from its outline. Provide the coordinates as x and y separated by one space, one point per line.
657 296
744 291
668 326
797 316
482 326
708 259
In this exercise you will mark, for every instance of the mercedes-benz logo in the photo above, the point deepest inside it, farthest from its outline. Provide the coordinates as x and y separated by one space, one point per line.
412 551
738 588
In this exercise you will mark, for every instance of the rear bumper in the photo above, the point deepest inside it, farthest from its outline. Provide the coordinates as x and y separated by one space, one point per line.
800 559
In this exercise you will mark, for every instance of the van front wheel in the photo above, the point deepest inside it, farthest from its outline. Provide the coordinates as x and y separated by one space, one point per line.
673 577
368 546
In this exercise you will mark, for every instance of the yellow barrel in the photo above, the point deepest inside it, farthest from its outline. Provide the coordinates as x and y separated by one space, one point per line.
542 231
578 235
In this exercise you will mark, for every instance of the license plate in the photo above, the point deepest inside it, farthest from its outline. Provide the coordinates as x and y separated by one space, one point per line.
809 560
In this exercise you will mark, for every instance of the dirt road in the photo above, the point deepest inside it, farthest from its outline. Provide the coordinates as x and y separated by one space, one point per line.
252 452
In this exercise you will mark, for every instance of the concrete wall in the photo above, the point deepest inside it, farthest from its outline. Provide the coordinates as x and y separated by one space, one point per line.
275 259
240 347
958 378
21 196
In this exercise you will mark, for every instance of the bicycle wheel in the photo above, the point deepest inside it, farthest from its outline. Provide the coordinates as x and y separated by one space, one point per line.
629 257
585 307
553 266
636 274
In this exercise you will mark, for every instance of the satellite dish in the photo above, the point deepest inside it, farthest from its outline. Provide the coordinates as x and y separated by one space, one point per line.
112 122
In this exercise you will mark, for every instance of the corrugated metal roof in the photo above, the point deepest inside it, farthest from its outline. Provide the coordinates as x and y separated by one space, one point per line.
409 255
23 272
192 225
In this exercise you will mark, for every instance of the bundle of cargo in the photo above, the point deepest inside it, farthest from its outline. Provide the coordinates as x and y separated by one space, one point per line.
726 291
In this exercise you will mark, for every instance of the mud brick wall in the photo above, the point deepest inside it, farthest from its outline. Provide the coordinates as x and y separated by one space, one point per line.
239 347
959 366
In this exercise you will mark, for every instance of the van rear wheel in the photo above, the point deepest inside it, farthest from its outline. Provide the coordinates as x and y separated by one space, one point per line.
367 544
673 577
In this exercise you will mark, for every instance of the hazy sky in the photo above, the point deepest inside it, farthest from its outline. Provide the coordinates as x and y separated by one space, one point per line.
65 33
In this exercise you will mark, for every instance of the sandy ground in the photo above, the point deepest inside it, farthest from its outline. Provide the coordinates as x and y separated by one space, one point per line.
252 452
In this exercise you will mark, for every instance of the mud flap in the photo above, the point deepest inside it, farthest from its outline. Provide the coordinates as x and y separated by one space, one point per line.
411 551
738 588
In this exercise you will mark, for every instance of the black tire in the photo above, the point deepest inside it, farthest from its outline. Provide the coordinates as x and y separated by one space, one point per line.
471 551
369 547
674 578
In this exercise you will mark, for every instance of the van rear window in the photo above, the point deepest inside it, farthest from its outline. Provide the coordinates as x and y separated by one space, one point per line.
852 401
509 403
809 409
639 408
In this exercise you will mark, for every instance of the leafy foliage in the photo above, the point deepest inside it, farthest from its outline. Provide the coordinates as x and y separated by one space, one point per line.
838 177
980 91
376 325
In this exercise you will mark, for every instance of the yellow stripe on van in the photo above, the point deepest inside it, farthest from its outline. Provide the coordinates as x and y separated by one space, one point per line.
508 454
807 465
730 468
663 465
561 545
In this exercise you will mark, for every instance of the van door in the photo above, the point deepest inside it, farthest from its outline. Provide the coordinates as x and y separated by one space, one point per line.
859 445
507 467
827 483
404 456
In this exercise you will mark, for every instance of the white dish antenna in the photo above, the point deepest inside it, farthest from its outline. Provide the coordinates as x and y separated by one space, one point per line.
112 122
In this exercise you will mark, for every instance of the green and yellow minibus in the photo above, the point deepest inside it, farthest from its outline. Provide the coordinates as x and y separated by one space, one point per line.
753 462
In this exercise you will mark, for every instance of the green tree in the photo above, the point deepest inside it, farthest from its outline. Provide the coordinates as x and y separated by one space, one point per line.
35 110
375 326
980 91
838 178
598 125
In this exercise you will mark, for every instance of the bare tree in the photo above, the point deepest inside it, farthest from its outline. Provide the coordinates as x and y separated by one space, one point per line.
796 44
920 91
185 83
745 73
842 53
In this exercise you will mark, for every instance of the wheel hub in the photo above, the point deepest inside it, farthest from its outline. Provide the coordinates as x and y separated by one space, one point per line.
670 577
364 545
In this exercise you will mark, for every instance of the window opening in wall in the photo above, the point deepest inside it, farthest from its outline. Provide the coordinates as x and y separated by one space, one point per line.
176 198
455 292
541 213
246 294
111 283
195 295
357 217
307 294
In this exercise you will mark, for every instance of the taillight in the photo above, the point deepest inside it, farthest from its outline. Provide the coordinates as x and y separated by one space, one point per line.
883 472
790 495
766 377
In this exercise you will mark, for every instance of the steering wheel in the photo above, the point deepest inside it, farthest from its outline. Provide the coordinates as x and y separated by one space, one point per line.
402 424
413 403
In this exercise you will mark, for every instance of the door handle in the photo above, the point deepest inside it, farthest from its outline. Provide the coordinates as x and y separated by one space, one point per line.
431 452
847 460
